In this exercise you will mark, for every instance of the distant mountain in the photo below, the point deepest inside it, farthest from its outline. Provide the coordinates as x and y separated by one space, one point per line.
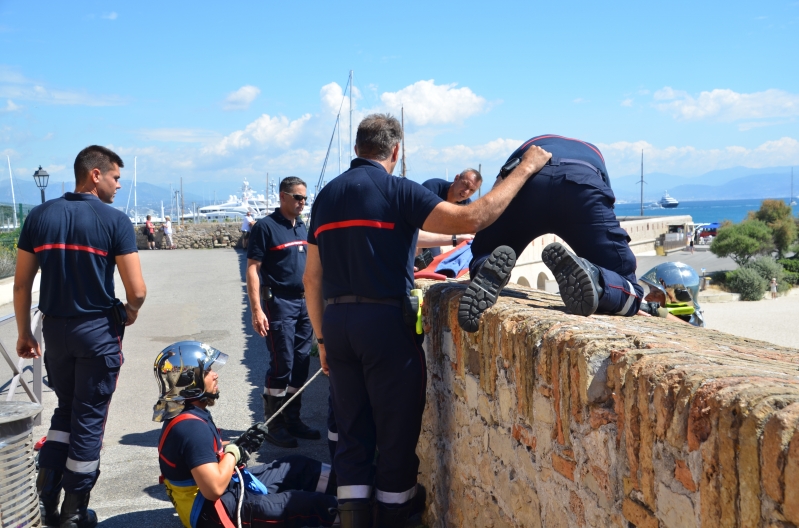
725 184
148 196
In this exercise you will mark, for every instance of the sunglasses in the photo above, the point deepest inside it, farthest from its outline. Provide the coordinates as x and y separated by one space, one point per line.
298 197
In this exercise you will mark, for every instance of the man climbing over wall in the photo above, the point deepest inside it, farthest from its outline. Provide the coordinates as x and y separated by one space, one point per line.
571 198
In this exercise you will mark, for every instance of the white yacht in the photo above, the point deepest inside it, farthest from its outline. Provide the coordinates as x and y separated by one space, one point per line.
237 207
667 202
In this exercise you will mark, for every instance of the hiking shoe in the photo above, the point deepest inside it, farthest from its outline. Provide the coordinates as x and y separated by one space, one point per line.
484 289
578 279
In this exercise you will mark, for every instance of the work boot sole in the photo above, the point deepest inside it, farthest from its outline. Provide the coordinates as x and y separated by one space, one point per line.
577 289
484 289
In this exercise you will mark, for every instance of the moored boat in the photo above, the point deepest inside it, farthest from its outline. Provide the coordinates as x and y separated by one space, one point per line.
667 202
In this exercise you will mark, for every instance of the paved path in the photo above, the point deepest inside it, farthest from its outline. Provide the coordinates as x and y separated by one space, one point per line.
698 260
191 295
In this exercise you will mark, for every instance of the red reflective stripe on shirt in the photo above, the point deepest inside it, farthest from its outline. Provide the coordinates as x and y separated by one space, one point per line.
289 244
570 139
354 223
71 246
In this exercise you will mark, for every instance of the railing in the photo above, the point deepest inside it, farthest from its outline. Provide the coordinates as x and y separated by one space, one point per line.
18 367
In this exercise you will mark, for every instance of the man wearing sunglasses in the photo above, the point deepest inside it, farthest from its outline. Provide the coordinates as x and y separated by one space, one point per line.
275 265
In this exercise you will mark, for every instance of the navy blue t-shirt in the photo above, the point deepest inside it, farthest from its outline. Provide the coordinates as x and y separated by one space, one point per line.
189 444
563 147
280 248
440 188
76 239
365 223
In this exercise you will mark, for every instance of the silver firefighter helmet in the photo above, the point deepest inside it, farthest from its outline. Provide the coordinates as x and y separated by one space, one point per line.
179 370
678 286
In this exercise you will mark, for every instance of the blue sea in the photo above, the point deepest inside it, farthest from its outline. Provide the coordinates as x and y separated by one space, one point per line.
702 211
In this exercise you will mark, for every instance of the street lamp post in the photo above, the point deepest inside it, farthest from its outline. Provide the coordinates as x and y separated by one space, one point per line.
42 178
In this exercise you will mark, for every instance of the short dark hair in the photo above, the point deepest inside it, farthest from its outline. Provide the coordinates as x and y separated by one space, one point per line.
290 181
95 157
477 175
377 136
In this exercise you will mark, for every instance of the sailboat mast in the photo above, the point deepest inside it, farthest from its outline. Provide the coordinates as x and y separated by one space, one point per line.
403 142
135 197
13 199
352 76
642 182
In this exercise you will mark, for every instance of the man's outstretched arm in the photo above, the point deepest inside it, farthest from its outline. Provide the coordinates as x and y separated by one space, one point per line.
452 219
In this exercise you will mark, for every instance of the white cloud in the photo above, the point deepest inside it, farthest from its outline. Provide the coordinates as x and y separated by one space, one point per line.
241 98
726 105
429 104
627 102
332 96
266 132
624 157
580 100
14 85
110 16
10 107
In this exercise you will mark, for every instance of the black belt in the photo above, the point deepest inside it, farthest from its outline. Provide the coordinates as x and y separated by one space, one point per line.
356 299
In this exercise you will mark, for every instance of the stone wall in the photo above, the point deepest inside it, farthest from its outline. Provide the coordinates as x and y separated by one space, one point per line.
544 419
206 235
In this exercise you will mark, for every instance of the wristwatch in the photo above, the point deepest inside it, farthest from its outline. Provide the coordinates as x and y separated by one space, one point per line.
320 340
454 240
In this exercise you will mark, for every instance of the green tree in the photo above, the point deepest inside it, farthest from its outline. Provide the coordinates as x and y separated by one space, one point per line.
778 216
742 241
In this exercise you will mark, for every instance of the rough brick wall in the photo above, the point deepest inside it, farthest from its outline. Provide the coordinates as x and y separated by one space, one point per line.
547 419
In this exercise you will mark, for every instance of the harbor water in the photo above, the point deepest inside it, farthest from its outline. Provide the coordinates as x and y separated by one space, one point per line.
701 211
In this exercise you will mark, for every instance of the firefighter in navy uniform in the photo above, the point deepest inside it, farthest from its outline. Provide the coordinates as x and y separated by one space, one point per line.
570 197
199 475
275 264
77 240
363 233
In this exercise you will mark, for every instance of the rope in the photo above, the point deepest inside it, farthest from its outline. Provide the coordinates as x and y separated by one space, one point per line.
293 396
241 497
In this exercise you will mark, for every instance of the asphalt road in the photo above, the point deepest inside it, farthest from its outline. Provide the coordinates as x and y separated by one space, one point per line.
196 295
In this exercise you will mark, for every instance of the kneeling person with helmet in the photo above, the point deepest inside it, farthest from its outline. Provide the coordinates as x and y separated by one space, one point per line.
200 472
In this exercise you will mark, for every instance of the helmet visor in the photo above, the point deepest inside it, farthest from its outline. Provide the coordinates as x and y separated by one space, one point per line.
218 362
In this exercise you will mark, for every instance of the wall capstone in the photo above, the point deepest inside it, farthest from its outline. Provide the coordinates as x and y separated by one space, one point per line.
545 419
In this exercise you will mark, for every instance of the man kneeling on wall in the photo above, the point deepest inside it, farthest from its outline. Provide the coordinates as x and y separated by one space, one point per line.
200 473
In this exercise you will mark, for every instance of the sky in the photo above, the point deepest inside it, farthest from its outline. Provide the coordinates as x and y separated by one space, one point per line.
219 92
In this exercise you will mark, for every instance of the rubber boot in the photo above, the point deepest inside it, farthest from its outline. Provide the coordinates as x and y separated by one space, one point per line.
48 486
278 434
579 281
75 512
294 423
396 516
355 514
482 293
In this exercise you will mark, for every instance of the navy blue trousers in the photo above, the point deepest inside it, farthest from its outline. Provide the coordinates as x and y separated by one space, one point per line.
289 343
574 203
378 377
82 358
300 494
